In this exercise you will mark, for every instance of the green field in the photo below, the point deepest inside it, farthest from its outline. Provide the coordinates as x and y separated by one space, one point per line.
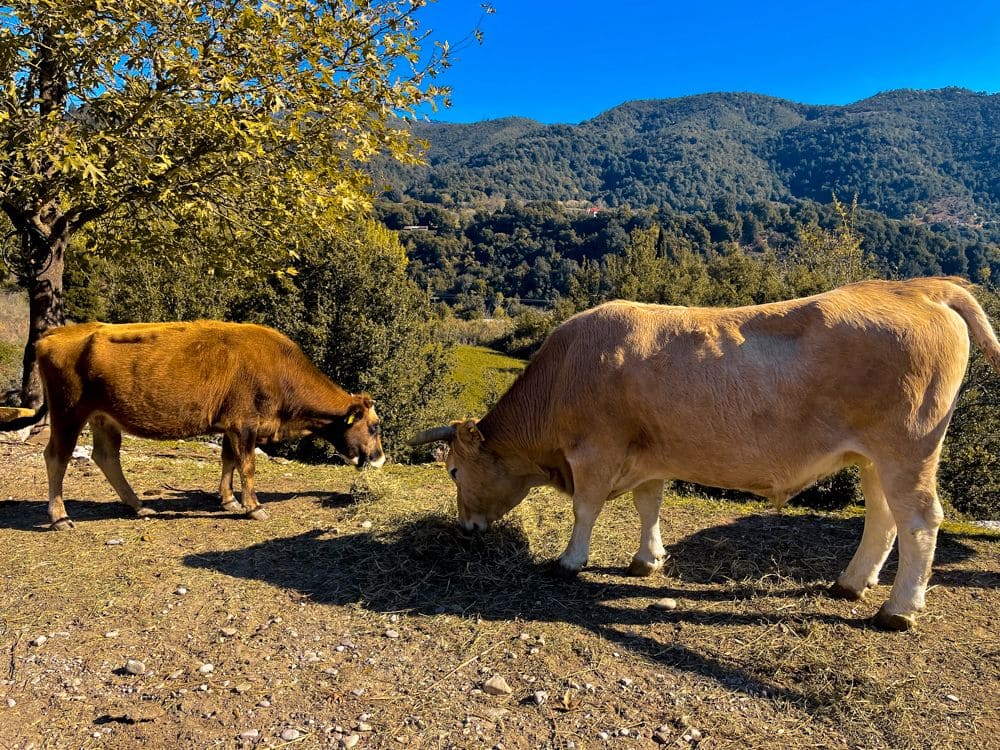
483 374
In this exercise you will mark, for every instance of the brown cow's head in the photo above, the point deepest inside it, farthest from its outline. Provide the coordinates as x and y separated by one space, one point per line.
357 435
487 488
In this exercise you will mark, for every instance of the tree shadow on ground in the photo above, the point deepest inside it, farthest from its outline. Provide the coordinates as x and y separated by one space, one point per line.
171 503
428 567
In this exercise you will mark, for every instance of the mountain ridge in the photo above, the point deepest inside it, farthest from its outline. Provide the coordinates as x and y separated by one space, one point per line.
901 151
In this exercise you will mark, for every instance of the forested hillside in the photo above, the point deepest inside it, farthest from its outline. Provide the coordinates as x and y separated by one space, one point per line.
925 154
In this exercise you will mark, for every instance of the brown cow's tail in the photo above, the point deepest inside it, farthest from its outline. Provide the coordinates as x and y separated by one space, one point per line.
12 419
961 301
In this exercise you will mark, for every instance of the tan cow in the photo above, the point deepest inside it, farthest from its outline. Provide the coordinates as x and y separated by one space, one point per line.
177 380
767 399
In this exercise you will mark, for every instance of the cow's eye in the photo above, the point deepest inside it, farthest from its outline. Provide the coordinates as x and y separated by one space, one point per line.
454 474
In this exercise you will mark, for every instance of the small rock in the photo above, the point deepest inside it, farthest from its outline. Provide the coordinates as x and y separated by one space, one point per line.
11 703
366 525
134 666
111 634
180 591
206 668
229 632
290 735
351 740
694 734
625 682
250 734
952 698
497 685
358 692
264 703
662 736
40 640
604 736
114 542
391 634
242 687
623 732
175 674
665 604
364 726
540 697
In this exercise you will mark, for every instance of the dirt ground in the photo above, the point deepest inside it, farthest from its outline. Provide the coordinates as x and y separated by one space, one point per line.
359 617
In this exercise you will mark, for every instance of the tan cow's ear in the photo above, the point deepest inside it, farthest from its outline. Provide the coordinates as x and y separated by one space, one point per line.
473 429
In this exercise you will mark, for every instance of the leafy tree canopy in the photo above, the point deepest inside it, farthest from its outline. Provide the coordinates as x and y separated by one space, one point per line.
247 116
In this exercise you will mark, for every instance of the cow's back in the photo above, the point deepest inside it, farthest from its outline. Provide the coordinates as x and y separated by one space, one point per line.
164 379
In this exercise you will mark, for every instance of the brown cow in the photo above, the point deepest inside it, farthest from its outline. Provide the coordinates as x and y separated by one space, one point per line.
176 380
767 399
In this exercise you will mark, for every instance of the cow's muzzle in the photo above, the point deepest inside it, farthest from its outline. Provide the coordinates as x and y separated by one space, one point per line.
475 523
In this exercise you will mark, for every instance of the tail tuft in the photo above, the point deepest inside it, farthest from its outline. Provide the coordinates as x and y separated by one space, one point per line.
13 419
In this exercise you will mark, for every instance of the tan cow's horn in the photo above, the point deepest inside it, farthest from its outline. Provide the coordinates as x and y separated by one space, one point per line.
446 433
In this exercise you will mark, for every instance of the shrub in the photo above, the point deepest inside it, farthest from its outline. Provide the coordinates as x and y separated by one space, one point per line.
356 314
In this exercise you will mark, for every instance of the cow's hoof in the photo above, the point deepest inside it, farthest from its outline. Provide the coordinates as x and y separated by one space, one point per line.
642 569
886 621
63 524
258 514
838 591
557 570
232 506
145 512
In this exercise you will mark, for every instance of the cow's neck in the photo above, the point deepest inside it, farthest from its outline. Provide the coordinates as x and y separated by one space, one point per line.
519 428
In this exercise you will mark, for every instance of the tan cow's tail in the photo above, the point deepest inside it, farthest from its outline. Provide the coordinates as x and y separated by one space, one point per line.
12 419
961 301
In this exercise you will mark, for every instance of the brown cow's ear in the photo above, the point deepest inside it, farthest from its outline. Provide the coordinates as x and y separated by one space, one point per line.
367 401
356 412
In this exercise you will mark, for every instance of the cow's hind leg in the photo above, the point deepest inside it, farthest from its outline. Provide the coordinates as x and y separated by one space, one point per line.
229 501
107 455
62 440
244 444
876 540
913 499
647 498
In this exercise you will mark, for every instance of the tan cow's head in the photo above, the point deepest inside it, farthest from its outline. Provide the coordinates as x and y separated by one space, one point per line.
487 488
358 435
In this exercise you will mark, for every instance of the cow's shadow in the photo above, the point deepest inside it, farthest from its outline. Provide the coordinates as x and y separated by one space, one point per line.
33 515
428 567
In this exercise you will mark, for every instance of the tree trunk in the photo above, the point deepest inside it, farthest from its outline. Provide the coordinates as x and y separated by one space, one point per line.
45 310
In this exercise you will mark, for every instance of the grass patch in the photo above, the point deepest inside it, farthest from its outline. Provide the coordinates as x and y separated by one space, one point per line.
484 375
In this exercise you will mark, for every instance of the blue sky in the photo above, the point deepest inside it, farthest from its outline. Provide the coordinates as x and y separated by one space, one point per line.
570 61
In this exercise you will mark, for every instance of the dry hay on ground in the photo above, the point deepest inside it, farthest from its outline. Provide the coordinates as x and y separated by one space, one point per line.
359 614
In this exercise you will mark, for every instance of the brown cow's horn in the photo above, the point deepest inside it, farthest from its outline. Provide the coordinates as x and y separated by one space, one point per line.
434 434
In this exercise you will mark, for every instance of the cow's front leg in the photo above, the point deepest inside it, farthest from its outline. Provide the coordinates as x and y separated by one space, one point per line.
587 505
647 498
244 444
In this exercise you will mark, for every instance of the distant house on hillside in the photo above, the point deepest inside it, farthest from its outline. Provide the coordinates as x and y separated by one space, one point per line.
593 210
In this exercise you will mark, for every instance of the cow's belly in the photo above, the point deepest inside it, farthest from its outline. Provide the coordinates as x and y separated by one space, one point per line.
772 474
159 426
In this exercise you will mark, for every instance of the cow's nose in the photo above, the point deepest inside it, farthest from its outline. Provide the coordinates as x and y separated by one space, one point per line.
474 523
375 462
